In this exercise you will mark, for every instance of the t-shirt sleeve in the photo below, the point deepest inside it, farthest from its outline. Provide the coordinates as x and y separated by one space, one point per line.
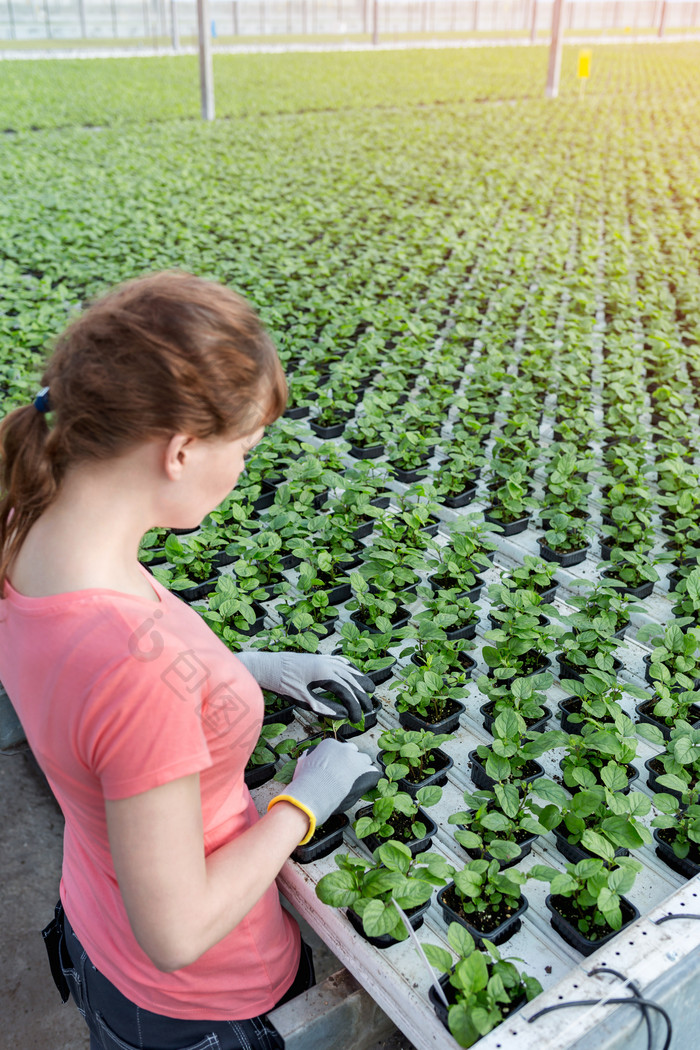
139 733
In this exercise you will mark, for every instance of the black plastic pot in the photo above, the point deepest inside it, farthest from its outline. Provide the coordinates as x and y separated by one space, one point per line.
202 590
265 500
642 590
327 433
325 839
367 452
460 500
222 558
259 775
407 477
489 718
346 732
290 561
652 780
296 412
646 717
685 866
511 528
565 558
567 670
468 630
632 775
646 660
448 724
382 502
415 917
441 1011
257 624
568 707
485 782
572 935
547 595
285 714
498 935
378 677
544 665
443 762
574 852
472 594
416 846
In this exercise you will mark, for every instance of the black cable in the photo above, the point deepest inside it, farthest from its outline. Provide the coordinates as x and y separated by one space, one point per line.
675 915
635 991
630 1000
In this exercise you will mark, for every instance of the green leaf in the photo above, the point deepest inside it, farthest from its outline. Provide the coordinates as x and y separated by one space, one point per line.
379 918
337 889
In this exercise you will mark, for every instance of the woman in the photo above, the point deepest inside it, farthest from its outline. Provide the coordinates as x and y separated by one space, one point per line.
169 932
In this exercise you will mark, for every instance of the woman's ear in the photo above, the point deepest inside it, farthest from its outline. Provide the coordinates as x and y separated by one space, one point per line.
175 455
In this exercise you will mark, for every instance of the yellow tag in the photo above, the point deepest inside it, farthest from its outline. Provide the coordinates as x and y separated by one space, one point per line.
584 65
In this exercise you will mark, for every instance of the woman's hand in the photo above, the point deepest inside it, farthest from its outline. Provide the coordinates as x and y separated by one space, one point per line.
293 674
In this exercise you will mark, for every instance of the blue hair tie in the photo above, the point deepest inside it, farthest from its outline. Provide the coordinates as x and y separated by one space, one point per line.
41 401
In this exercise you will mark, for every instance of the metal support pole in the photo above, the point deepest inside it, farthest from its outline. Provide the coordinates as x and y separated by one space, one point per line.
304 18
365 17
375 22
554 69
289 17
662 23
475 23
115 29
11 14
533 23
81 15
47 20
236 27
206 72
174 27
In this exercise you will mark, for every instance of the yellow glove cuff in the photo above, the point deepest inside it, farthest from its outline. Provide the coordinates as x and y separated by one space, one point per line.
301 806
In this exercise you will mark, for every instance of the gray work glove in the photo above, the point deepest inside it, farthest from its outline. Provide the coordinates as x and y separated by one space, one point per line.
293 674
327 780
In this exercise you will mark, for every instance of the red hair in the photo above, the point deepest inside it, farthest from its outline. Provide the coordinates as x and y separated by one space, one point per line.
165 354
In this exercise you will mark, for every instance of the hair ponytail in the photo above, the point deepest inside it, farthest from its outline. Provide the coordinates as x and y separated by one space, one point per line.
164 354
29 478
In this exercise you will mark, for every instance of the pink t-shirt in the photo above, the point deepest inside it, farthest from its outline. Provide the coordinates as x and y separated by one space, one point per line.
117 695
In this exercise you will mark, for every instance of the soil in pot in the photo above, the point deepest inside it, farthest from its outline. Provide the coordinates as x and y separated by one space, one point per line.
564 920
688 866
448 723
641 590
399 619
412 783
497 925
327 837
401 825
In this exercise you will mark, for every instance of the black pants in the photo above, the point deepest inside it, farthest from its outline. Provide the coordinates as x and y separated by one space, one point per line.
116 1023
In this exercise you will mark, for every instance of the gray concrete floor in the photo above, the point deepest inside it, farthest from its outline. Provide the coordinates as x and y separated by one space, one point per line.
31 836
